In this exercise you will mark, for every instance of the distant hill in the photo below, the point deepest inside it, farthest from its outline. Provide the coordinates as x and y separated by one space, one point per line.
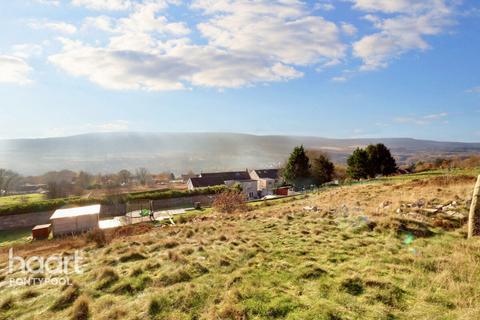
181 152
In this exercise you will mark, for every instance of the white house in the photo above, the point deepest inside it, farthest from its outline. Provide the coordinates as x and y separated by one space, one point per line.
255 184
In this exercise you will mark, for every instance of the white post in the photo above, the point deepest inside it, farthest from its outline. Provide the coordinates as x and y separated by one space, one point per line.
474 216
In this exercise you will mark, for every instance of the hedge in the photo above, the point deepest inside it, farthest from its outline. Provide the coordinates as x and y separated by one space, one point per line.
50 205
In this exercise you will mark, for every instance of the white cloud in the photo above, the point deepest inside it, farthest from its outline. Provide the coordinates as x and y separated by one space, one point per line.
325 6
246 43
405 31
474 90
348 29
26 50
14 70
339 79
181 63
55 3
279 30
144 19
110 5
423 120
392 6
57 26
113 126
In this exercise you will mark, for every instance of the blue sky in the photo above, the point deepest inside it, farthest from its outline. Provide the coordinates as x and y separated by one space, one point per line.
347 68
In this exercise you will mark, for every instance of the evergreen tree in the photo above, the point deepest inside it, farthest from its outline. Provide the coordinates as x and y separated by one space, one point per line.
381 160
297 170
322 169
358 164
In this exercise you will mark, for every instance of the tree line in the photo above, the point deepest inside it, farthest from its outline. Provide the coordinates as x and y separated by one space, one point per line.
64 183
306 168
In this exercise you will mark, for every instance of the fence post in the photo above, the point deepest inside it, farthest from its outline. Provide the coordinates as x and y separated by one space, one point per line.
474 216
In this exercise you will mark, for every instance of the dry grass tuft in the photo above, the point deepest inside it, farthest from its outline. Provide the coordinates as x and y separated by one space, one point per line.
70 294
81 310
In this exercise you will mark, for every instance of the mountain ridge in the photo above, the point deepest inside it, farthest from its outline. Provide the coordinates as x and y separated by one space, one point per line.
200 151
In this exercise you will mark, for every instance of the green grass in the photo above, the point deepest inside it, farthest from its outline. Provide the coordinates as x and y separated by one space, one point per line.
275 261
14 237
19 199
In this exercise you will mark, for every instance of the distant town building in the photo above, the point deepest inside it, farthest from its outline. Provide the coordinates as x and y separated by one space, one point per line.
255 183
31 189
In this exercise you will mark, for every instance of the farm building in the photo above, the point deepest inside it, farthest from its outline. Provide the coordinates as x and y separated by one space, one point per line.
75 220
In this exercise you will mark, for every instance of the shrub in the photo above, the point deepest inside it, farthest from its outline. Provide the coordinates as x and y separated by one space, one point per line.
230 201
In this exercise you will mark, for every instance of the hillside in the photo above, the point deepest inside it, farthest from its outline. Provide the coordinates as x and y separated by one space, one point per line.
371 251
181 152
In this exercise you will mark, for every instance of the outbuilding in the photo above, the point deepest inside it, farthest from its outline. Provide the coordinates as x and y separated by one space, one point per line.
75 220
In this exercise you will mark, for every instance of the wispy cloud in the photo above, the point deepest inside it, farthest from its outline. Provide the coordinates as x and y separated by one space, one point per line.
14 70
57 26
473 90
111 126
423 120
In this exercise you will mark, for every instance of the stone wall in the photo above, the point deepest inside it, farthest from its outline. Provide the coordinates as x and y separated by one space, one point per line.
26 220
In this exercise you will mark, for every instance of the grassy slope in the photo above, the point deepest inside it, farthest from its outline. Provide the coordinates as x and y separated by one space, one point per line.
13 200
277 261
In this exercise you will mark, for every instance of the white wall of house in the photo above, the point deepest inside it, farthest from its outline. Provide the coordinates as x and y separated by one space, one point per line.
249 188
266 186
190 185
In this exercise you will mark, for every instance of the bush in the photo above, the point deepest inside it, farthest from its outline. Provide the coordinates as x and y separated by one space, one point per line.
230 201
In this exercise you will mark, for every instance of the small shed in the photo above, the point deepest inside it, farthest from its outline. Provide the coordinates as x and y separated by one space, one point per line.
75 220
41 232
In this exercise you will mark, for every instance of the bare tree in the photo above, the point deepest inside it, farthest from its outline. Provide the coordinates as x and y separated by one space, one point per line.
124 177
143 175
84 180
8 179
59 189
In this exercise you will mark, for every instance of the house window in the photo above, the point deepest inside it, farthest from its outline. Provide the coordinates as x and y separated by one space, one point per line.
250 195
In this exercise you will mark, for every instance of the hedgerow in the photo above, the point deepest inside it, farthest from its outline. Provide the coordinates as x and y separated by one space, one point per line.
50 205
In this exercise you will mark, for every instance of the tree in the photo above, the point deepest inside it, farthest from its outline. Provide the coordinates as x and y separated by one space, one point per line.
297 170
381 160
322 169
374 160
124 177
8 179
142 175
59 189
358 164
84 180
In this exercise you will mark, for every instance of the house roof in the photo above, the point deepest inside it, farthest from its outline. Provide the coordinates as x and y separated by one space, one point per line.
268 173
218 178
75 212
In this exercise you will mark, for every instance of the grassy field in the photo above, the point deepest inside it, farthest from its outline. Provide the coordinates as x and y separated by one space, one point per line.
10 238
19 199
355 257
